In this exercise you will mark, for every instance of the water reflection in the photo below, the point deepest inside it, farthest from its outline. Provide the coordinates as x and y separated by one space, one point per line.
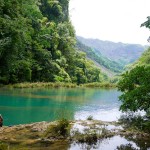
114 143
99 114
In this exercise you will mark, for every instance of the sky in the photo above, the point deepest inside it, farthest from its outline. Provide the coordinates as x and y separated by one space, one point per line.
112 20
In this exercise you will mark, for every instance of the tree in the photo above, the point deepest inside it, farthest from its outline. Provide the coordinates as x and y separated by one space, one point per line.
147 25
135 85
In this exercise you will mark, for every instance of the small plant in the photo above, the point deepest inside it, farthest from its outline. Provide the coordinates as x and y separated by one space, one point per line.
90 117
3 146
60 129
89 137
104 131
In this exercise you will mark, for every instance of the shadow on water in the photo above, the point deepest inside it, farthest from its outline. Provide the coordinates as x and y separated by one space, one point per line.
99 137
114 143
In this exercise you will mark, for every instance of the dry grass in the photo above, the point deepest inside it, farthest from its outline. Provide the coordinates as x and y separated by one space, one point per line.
42 84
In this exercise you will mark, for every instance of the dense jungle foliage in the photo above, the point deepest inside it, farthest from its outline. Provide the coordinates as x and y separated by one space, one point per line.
135 83
37 43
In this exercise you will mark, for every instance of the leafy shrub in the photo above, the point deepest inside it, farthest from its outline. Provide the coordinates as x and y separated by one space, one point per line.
60 129
90 117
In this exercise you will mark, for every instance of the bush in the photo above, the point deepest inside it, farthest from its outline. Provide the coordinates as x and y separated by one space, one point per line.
60 129
90 117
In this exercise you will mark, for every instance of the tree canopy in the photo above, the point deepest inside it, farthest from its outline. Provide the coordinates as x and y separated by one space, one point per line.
135 85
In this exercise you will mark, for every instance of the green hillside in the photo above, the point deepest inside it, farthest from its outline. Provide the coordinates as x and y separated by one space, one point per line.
143 60
37 44
119 52
101 60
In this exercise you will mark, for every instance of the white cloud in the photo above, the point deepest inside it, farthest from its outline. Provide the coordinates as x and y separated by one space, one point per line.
114 20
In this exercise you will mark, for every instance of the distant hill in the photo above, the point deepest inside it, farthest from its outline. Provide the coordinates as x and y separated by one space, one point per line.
143 60
107 66
119 52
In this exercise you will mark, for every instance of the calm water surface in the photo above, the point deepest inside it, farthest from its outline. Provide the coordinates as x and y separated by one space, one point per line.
114 143
20 106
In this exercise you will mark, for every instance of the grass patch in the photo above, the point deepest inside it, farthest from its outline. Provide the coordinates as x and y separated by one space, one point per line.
99 85
62 128
60 84
90 117
91 136
42 84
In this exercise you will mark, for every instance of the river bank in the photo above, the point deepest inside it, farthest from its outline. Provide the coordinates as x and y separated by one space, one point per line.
37 135
59 84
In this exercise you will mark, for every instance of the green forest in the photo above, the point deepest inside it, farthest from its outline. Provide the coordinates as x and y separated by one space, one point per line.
38 44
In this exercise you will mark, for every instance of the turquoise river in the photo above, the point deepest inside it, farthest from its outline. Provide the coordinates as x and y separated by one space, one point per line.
21 106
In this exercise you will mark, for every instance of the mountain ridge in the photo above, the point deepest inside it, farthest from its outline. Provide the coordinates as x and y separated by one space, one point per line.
121 52
108 66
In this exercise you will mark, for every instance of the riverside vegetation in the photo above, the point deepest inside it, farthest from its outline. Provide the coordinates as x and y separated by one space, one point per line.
60 84
60 134
37 44
135 88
